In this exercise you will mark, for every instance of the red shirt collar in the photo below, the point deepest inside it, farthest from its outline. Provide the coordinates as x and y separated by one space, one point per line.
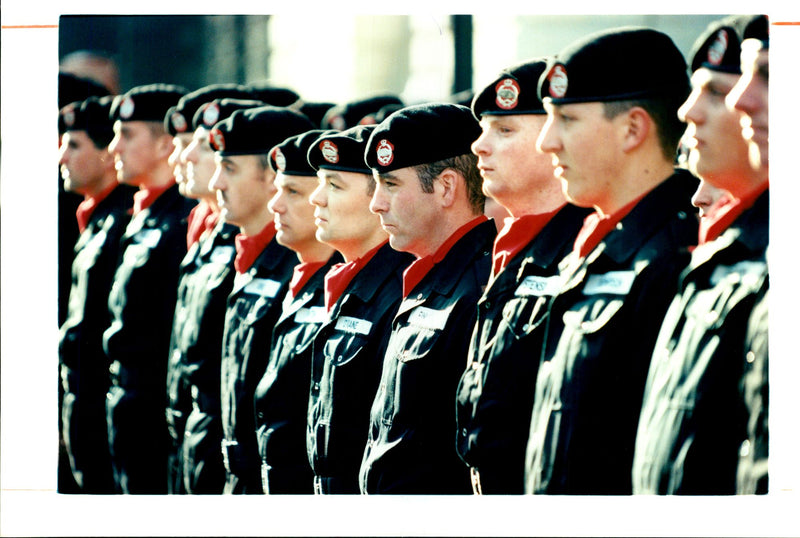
201 219
248 248
595 228
144 198
415 272
341 274
87 207
726 213
302 274
515 235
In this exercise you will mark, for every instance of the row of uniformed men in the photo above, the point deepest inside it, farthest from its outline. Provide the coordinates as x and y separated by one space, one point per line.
340 289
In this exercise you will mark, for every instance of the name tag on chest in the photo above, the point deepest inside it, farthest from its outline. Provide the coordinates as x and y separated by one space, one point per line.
222 254
613 282
737 271
314 314
427 318
353 325
264 287
536 286
148 238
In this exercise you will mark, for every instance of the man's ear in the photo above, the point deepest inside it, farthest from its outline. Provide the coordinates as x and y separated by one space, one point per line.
447 185
165 145
638 124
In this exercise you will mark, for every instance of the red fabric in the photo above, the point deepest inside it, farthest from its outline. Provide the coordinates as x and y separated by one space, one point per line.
248 248
515 235
87 207
595 228
724 214
341 274
144 198
415 272
201 219
302 273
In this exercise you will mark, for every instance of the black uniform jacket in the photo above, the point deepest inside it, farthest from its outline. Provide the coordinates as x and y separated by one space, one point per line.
193 378
142 304
411 446
281 397
693 419
495 395
84 365
600 330
254 307
348 357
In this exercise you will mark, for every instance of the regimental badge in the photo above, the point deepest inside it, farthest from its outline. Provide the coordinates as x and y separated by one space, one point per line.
329 151
558 81
126 108
280 159
385 152
338 123
717 49
69 115
179 122
210 114
217 140
507 91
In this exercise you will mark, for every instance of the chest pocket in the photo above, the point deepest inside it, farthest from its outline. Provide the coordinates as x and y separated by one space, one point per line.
604 296
219 266
255 300
731 286
420 333
142 243
350 336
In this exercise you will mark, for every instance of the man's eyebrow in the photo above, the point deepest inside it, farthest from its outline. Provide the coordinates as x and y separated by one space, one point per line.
387 175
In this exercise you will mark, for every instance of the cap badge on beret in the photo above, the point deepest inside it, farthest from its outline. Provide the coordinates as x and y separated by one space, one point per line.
385 152
716 51
558 81
126 108
329 151
210 114
179 122
217 140
280 159
507 91
69 116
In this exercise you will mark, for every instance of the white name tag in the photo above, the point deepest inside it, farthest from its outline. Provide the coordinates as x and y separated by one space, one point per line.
263 286
223 254
314 314
353 325
148 238
613 282
738 269
428 318
537 286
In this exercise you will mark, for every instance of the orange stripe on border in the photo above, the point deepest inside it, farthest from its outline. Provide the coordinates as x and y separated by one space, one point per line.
26 26
786 23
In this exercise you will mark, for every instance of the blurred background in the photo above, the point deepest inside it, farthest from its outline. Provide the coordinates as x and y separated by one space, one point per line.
335 57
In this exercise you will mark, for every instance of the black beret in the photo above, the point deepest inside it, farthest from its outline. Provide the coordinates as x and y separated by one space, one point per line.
179 118
255 131
757 27
421 134
90 115
271 94
342 150
213 112
719 47
514 91
315 110
146 103
290 156
345 115
616 65
73 88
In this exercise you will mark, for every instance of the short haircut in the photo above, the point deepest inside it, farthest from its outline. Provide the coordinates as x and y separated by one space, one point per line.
467 166
664 113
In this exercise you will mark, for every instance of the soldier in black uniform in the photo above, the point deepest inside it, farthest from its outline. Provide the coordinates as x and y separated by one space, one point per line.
281 397
87 168
193 333
206 279
142 298
243 182
693 419
495 395
430 202
613 131
362 296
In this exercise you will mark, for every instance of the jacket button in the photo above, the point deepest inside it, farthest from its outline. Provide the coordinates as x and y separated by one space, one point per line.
751 357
